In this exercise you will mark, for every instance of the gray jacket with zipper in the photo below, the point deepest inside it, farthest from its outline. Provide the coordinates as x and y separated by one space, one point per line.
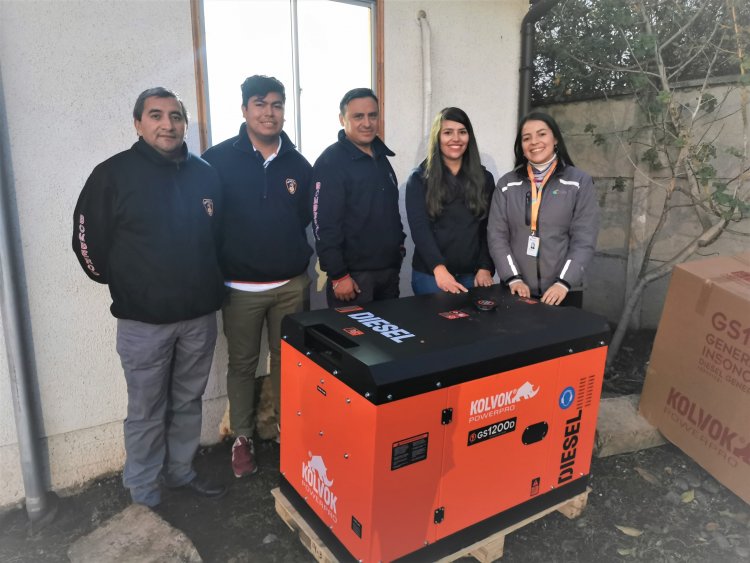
567 225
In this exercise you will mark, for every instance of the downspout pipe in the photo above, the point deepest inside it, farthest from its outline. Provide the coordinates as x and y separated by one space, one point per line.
537 11
40 505
425 33
295 77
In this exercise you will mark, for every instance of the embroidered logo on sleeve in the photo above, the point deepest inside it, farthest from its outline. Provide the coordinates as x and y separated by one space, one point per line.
209 205
316 196
291 185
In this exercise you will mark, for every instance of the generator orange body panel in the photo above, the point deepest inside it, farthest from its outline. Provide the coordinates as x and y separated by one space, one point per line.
414 427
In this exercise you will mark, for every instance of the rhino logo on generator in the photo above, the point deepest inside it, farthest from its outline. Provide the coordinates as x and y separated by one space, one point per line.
525 391
315 480
317 464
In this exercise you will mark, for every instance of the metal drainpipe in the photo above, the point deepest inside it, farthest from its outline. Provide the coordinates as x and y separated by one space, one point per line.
40 505
295 77
537 10
425 33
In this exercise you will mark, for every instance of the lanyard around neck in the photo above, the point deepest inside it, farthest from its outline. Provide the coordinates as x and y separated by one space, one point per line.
536 194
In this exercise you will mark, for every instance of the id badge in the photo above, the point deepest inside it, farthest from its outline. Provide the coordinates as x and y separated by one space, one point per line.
532 249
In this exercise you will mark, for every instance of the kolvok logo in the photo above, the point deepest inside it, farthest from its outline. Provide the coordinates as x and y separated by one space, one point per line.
729 444
316 482
491 405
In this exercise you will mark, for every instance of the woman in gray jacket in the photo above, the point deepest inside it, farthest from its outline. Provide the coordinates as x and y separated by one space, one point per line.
544 218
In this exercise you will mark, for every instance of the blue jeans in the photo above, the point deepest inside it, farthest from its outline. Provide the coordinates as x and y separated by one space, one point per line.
422 284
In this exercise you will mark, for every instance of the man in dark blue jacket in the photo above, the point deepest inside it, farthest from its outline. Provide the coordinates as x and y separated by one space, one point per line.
357 224
145 225
264 253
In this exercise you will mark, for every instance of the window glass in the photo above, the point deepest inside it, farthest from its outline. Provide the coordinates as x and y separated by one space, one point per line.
335 52
245 37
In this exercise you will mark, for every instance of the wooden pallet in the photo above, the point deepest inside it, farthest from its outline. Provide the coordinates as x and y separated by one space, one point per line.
297 523
491 547
486 550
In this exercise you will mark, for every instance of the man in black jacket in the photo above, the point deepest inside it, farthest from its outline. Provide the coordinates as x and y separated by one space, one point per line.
145 225
357 224
264 252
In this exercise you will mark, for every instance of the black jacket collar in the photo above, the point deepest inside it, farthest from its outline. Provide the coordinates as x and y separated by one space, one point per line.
378 147
243 143
156 157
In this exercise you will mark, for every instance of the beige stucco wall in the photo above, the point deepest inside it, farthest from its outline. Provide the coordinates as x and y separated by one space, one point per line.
475 50
70 73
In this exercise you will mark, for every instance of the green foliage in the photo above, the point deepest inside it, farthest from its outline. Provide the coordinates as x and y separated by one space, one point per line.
599 139
646 48
680 142
590 48
729 205
651 157
709 103
619 185
664 97
705 174
735 152
703 152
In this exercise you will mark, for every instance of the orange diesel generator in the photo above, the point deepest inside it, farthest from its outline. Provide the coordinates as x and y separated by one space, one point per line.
415 427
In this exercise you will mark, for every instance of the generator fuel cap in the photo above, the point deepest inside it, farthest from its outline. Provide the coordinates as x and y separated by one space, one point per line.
485 304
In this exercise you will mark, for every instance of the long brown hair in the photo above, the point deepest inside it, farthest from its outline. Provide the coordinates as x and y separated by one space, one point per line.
437 191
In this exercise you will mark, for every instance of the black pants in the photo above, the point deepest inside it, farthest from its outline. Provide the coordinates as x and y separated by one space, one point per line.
374 285
573 299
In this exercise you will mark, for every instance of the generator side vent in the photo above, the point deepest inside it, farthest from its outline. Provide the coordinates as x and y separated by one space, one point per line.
585 393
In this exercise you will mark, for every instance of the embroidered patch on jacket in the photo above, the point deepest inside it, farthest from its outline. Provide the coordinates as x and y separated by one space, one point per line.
209 205
291 185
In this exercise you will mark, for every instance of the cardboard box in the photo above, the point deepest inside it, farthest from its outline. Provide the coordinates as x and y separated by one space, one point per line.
697 388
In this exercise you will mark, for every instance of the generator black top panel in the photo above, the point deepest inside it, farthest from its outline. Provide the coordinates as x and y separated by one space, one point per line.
388 350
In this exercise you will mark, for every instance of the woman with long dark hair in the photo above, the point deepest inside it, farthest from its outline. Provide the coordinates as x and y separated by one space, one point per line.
447 203
544 219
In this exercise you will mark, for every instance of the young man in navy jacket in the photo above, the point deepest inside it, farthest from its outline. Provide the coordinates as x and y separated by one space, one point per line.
357 224
265 253
146 225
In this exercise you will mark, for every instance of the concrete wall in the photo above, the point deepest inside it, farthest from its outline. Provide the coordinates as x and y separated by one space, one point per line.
629 217
70 74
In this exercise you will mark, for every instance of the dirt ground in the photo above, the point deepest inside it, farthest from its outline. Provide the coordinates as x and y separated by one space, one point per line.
655 505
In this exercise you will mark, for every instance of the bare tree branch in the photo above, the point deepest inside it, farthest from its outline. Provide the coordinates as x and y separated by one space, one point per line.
685 27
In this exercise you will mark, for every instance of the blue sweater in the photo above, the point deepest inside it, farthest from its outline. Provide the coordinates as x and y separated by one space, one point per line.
266 210
147 227
457 238
357 223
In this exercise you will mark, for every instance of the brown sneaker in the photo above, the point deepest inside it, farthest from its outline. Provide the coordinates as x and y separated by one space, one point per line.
243 457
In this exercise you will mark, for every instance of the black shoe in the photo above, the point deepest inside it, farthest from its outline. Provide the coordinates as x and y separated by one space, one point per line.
205 488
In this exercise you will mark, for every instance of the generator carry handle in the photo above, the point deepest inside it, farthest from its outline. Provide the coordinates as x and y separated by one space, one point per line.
328 344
